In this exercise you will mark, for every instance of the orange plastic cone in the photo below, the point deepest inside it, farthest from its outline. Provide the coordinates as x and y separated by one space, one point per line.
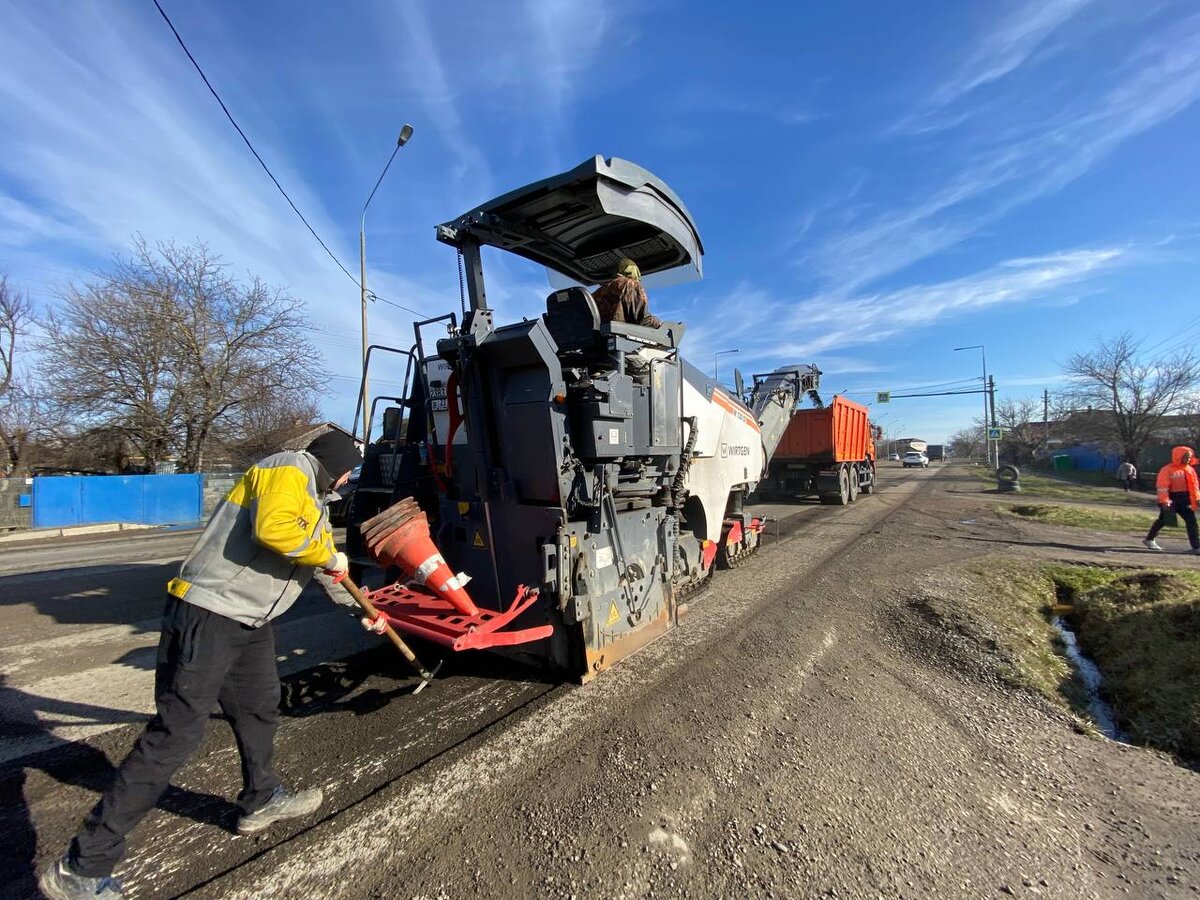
399 536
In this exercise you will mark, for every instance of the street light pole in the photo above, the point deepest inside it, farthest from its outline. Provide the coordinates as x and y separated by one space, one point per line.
717 356
987 443
405 134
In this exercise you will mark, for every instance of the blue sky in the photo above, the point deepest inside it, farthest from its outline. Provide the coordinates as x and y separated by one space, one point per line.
875 183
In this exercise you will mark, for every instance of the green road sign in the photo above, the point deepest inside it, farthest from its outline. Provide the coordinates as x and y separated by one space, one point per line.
883 397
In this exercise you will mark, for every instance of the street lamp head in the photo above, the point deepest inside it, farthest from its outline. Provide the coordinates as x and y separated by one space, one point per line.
405 134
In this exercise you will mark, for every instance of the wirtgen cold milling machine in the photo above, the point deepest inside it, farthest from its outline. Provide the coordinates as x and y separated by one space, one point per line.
579 478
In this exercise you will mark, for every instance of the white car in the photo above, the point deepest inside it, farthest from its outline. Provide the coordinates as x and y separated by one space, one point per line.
916 458
894 457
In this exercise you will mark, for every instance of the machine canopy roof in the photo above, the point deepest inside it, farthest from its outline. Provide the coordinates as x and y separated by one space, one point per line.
582 222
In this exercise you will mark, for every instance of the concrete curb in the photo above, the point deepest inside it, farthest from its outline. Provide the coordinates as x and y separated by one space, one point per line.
42 534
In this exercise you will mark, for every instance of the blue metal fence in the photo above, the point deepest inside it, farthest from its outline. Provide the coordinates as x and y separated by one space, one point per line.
65 500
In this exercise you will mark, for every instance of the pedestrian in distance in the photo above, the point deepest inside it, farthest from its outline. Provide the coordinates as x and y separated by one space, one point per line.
1127 475
1178 491
266 540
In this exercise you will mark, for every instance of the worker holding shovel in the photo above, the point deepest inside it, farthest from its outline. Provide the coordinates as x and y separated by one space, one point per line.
264 542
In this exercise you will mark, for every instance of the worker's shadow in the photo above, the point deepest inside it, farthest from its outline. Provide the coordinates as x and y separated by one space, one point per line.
73 763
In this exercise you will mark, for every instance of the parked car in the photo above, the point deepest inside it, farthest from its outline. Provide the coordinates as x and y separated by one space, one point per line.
916 458
893 457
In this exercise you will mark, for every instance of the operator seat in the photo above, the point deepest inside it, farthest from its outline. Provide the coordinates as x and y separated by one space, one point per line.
572 319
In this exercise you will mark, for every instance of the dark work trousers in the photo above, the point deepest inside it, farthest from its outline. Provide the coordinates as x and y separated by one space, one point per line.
1182 505
203 659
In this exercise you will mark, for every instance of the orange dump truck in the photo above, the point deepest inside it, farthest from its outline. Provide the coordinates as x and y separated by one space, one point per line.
829 452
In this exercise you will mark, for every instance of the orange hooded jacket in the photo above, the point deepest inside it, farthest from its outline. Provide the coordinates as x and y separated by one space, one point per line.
1177 478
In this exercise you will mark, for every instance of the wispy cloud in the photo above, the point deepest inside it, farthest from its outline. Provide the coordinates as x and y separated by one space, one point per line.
1008 45
427 75
879 317
1013 167
755 320
567 36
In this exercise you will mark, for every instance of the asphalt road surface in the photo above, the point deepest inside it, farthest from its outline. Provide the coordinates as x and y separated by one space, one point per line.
806 732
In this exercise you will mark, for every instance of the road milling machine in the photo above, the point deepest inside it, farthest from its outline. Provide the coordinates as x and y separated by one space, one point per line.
579 478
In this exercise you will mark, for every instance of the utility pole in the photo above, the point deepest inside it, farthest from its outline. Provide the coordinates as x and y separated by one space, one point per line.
1046 420
991 396
405 134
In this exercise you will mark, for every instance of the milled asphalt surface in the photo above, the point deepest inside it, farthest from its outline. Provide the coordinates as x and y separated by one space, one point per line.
810 730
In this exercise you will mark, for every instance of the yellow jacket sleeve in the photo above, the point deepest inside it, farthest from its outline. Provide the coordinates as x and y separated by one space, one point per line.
287 521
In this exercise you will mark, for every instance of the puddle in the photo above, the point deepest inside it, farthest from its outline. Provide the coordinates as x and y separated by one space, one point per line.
1100 711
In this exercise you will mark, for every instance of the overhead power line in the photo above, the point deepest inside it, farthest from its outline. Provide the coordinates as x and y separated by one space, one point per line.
232 121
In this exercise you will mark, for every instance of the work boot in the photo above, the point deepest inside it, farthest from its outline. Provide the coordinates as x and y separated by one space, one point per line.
282 805
1151 544
59 883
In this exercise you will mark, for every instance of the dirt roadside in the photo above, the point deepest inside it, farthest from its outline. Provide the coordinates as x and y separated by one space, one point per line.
808 733
811 731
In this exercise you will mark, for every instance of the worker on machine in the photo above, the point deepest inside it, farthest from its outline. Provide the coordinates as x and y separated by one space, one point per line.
624 299
264 542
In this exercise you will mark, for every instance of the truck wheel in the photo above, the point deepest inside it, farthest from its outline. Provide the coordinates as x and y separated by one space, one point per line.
869 487
852 482
842 497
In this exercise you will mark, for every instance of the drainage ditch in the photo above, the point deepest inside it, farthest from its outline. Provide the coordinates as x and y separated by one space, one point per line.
1101 713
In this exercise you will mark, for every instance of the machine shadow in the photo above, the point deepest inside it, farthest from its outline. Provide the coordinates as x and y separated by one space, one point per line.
94 595
338 686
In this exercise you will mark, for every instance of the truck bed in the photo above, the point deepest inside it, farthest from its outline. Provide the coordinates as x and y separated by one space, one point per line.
840 432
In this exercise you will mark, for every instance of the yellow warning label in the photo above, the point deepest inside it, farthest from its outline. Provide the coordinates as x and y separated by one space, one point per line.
478 542
464 508
614 615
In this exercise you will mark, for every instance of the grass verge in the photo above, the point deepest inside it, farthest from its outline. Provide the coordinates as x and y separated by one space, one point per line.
1040 485
1020 604
1096 518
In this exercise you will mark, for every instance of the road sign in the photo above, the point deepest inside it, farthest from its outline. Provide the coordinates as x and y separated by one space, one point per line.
993 434
883 397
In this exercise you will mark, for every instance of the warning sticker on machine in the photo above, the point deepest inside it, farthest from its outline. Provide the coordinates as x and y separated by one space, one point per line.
614 615
614 435
478 542
604 557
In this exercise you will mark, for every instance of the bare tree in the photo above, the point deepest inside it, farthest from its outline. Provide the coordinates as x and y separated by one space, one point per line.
1130 390
167 347
16 315
16 415
1022 429
264 428
967 442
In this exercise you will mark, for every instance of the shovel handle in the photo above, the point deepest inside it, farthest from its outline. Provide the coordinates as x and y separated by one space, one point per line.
369 608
